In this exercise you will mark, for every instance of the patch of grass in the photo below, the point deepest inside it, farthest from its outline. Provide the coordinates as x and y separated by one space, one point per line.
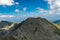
57 31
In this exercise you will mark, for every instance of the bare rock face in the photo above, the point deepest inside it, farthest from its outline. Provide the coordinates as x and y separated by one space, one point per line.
33 29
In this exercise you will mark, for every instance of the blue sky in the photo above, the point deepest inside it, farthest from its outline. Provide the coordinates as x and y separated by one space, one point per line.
15 10
31 5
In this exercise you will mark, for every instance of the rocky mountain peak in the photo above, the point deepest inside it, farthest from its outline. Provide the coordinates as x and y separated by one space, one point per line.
33 29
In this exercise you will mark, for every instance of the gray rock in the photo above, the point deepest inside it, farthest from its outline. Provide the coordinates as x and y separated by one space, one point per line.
33 29
36 29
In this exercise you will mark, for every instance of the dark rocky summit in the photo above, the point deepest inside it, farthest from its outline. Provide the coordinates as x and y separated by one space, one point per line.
33 29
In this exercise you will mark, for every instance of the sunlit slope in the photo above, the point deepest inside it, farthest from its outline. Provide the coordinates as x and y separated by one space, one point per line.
57 28
57 25
5 25
8 27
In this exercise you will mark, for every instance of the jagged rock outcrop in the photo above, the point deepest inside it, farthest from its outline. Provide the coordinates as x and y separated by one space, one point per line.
33 29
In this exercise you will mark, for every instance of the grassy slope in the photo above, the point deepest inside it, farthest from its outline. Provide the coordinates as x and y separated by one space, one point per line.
57 28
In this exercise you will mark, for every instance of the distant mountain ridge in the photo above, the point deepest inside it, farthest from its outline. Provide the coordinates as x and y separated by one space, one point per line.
58 21
31 29
4 23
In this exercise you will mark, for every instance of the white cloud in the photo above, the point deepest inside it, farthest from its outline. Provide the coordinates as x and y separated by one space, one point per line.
54 6
24 9
6 16
17 10
54 3
50 11
41 10
7 2
17 3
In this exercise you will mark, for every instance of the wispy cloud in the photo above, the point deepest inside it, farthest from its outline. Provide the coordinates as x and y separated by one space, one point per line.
6 16
24 9
41 10
17 10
